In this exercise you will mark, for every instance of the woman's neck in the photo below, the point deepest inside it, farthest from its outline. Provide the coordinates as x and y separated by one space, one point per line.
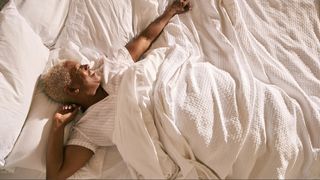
89 101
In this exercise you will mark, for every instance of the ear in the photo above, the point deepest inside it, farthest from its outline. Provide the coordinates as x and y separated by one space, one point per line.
71 91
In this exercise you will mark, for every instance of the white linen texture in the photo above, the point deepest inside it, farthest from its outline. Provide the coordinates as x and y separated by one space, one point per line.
228 90
22 59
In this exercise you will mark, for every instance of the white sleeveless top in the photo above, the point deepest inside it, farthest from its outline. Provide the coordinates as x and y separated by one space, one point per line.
95 127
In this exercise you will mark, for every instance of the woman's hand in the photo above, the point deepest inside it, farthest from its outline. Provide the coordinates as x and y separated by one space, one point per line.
65 114
179 6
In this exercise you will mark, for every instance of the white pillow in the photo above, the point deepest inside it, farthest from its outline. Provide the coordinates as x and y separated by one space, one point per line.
46 17
101 25
22 59
30 148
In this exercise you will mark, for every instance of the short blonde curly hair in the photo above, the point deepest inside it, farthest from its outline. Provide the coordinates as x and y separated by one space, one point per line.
54 82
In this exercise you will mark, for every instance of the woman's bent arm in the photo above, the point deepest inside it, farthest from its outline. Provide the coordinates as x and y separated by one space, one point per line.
62 162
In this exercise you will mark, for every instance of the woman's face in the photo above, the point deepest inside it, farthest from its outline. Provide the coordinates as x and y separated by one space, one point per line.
83 78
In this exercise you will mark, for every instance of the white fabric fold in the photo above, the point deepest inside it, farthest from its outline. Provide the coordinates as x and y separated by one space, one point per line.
219 103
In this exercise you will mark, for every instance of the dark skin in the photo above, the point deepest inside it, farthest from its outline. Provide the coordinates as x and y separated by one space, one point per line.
85 90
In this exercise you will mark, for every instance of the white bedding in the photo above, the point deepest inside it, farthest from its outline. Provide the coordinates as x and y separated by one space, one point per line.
229 90
46 18
22 59
241 111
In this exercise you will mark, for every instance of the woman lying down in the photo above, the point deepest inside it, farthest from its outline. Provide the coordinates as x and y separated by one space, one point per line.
72 83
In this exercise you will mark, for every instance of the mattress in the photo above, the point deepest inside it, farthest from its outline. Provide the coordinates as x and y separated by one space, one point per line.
229 90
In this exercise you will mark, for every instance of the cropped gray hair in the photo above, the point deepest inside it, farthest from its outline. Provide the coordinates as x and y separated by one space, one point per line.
54 82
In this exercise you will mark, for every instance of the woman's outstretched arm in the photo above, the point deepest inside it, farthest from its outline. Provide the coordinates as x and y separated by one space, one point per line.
139 45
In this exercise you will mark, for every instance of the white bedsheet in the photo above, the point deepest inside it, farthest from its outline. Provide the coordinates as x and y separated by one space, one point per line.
224 101
229 90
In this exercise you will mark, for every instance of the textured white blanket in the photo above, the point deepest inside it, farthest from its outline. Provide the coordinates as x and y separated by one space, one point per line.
229 90
231 96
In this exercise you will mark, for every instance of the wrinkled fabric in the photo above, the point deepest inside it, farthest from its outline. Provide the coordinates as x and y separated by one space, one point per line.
229 97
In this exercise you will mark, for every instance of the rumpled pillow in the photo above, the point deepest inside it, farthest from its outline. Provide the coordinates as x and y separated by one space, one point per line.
46 17
22 59
29 151
101 25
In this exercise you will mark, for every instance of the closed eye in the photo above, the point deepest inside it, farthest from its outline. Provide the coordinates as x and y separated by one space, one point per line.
85 67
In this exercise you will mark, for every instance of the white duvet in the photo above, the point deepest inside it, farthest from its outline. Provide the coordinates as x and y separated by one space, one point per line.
219 104
229 90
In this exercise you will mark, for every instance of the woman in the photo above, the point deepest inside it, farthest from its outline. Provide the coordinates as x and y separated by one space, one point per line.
72 83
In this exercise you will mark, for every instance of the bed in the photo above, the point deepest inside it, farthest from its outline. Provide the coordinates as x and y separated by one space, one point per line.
230 89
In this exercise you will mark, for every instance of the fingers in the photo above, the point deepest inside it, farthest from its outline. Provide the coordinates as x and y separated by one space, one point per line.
184 4
68 108
187 7
66 113
71 109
